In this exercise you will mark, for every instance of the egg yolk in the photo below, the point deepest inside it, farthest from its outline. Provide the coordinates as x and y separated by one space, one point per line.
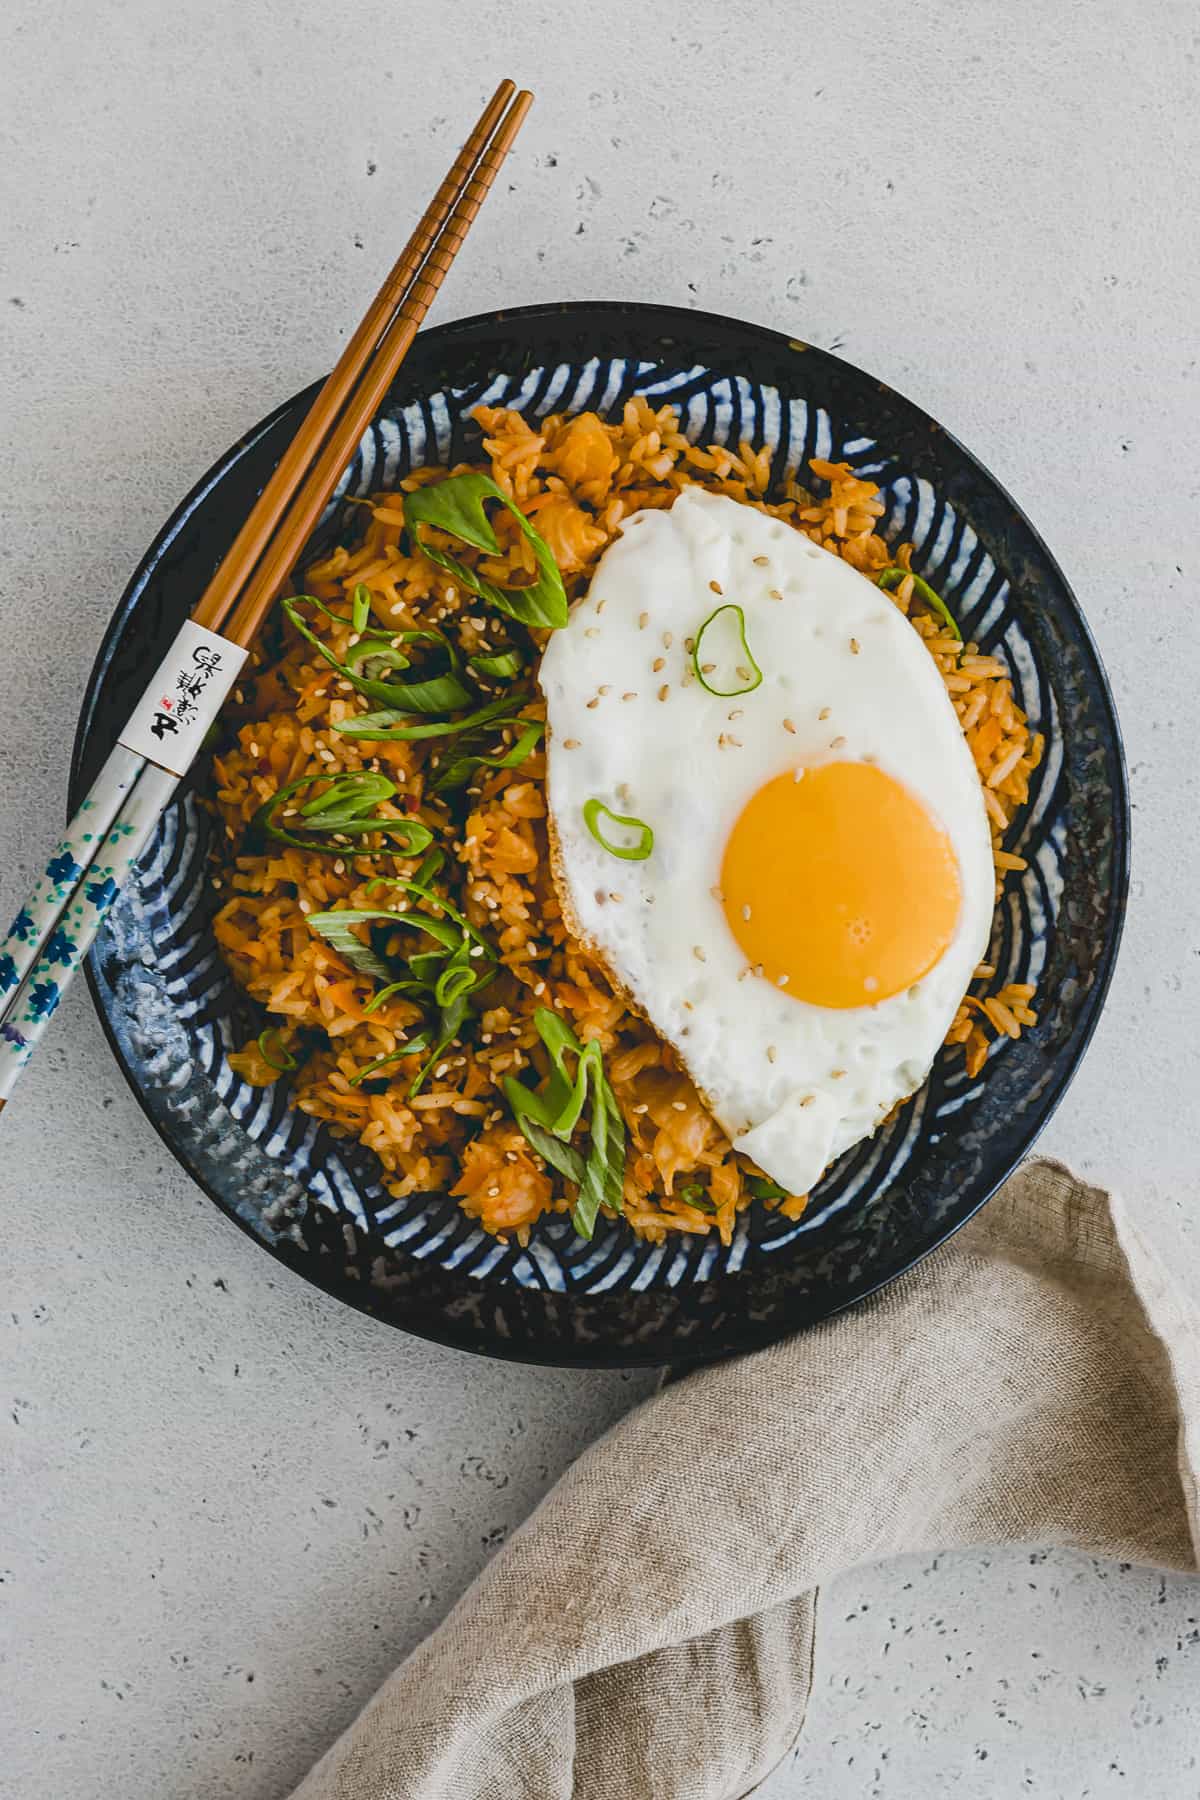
840 885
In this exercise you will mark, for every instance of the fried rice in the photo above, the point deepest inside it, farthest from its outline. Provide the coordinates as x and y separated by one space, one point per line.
576 479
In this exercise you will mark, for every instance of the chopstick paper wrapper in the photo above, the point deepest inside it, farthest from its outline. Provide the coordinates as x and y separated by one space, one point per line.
182 702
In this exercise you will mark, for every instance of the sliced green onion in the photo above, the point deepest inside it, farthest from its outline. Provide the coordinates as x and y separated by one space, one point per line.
749 677
390 991
384 727
274 1051
499 665
458 773
360 608
413 1047
549 1117
337 930
435 899
443 978
432 694
456 506
891 578
763 1189
638 852
345 809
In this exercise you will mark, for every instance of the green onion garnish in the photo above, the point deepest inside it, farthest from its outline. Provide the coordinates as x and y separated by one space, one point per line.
375 651
456 506
360 608
413 1047
637 852
763 1189
497 665
891 578
442 980
470 757
344 810
382 727
549 1117
274 1051
748 672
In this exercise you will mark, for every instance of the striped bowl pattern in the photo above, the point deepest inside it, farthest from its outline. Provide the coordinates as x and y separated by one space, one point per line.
174 1014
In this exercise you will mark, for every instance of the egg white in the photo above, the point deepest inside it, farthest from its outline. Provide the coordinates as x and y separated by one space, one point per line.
793 1084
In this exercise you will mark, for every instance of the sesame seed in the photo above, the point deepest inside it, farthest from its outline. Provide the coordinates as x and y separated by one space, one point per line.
716 587
539 989
591 632
735 714
254 750
486 1038
836 1074
643 621
600 605
807 1100
798 774
617 897
758 969
660 662
606 689
736 742
743 674
824 713
664 690
570 743
668 640
306 906
632 696
772 1053
592 705
721 741
475 950
762 562
339 867
716 893
698 953
707 668
679 1106
838 743
746 914
688 1007
774 594
689 645
788 726
492 1191
641 1109
854 646
782 981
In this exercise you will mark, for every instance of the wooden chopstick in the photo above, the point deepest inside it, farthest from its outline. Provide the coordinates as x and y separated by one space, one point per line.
238 563
299 521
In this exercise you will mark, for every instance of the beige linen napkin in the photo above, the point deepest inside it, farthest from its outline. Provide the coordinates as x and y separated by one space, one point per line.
647 1634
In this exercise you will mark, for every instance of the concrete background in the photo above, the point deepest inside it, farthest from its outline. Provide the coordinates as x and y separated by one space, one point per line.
230 1505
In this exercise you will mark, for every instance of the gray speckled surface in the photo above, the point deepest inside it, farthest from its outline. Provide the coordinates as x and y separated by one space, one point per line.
229 1505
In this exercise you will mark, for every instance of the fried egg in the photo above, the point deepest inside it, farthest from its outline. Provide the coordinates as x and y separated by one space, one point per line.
820 885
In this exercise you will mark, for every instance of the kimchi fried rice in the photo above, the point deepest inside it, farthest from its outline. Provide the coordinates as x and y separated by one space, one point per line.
576 480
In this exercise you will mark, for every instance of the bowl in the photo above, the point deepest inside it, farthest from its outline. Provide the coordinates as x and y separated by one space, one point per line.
172 1013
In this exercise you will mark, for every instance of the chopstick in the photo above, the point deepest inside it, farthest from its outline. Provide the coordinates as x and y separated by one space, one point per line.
54 930
238 563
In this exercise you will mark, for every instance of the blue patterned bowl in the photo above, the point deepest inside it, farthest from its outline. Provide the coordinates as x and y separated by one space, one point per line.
172 1013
